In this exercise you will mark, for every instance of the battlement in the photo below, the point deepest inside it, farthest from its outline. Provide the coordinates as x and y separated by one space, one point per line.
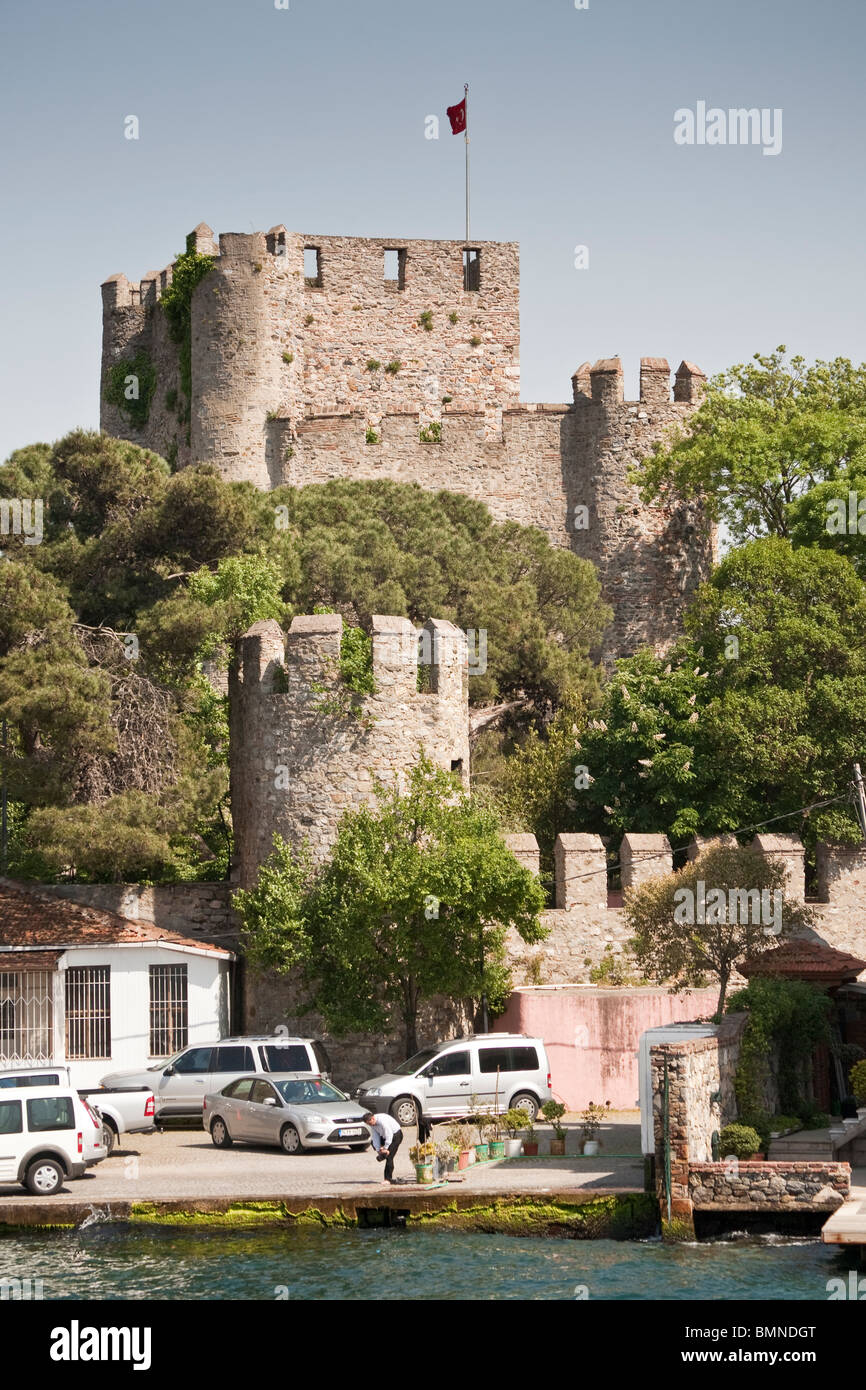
581 867
314 357
602 383
302 754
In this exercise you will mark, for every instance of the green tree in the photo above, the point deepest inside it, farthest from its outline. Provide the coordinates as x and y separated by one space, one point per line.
671 943
415 902
765 433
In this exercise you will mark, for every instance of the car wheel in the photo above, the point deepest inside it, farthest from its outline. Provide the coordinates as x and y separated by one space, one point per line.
44 1176
405 1111
219 1133
290 1140
110 1134
528 1102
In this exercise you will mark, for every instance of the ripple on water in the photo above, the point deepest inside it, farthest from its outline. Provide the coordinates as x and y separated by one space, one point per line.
121 1262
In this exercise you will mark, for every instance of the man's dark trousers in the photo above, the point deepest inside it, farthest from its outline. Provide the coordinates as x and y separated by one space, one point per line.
392 1152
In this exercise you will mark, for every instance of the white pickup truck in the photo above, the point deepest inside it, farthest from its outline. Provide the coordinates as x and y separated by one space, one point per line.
129 1110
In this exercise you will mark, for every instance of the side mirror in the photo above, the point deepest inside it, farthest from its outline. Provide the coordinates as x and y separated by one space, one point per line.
169 1071
270 1100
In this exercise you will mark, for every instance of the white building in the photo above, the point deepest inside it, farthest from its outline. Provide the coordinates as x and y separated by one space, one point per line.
100 991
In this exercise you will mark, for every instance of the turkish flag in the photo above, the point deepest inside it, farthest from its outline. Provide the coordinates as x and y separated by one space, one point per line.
457 117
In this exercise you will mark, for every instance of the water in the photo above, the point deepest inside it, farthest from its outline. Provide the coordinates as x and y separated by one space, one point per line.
121 1262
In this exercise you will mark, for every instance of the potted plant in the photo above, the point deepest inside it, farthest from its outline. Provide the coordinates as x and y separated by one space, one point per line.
740 1141
480 1119
590 1124
462 1138
492 1133
446 1159
530 1143
422 1155
514 1121
553 1111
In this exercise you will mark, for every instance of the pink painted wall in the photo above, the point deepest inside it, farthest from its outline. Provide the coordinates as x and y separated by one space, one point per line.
591 1035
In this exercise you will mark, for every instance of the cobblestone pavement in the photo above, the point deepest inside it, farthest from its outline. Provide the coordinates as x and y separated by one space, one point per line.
185 1164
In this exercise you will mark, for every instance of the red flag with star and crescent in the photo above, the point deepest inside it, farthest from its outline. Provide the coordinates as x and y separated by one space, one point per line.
457 117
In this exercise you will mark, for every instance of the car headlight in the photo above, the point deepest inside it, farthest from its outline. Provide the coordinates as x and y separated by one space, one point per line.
316 1119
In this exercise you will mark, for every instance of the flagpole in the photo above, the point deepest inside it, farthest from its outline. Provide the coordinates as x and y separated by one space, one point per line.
466 138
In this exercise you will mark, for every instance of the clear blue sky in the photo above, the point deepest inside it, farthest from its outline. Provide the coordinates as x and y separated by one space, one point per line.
314 117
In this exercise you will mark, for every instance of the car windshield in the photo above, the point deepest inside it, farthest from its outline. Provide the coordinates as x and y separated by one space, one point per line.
414 1063
169 1061
308 1092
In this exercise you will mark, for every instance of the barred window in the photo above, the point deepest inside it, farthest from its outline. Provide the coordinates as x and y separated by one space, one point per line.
169 1015
26 1012
88 1012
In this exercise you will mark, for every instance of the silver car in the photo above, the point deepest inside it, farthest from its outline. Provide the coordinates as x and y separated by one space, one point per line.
294 1110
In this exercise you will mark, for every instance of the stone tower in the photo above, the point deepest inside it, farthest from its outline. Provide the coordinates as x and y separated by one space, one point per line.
299 760
318 357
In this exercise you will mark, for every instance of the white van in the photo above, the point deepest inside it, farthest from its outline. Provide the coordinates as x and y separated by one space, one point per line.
490 1072
47 1134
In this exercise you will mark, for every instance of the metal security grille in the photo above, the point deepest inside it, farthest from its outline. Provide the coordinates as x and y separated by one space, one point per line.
88 1012
26 1015
169 1016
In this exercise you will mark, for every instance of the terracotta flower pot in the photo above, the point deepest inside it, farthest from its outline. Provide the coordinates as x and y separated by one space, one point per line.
557 1147
530 1149
463 1159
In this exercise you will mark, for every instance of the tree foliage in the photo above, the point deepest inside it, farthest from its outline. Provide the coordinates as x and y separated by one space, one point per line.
765 433
415 902
670 947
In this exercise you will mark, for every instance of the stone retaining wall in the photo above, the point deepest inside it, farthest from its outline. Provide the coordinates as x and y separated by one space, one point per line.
791 1186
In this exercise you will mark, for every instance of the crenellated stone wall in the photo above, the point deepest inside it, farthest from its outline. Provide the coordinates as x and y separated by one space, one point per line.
299 379
300 758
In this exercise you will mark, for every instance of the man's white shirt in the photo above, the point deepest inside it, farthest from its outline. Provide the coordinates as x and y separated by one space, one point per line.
382 1131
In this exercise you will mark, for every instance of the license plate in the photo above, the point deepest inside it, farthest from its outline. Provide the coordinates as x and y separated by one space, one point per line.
350 1133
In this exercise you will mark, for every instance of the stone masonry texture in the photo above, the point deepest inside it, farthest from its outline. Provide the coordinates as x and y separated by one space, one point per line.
300 378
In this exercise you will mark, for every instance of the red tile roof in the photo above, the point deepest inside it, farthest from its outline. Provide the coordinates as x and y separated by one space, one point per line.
805 960
29 917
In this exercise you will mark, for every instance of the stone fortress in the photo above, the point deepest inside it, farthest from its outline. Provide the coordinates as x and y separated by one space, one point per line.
320 357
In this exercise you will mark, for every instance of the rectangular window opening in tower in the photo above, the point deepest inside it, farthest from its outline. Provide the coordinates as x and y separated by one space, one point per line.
312 267
471 269
395 267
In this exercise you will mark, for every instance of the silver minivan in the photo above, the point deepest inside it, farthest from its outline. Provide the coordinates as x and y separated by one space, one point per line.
181 1083
488 1072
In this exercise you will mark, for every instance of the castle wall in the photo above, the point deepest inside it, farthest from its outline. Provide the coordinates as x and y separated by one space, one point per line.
132 323
289 374
298 762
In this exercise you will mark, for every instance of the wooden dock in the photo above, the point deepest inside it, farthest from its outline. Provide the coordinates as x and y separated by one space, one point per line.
847 1225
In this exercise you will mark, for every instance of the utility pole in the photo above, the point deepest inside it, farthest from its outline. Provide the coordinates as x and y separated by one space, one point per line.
4 829
861 798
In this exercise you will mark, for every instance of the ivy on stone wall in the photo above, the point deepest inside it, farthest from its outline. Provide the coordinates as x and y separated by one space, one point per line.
189 268
130 385
787 1019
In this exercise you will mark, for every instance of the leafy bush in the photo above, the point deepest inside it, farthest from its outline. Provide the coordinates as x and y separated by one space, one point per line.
138 374
432 433
553 1111
515 1120
857 1077
740 1140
